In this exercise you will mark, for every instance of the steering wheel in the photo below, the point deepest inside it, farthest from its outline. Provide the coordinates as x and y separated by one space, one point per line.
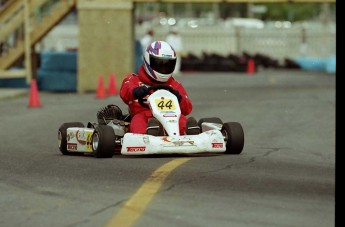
153 89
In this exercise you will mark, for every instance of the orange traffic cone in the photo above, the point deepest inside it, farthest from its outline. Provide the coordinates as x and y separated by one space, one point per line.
101 93
250 66
34 99
112 90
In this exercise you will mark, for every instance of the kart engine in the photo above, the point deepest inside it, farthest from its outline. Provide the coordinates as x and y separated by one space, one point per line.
109 113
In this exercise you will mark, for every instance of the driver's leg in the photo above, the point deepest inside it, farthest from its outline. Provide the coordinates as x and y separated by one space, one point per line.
139 122
182 124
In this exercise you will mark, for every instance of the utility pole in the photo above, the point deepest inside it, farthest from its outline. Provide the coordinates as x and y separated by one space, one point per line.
325 13
27 33
249 9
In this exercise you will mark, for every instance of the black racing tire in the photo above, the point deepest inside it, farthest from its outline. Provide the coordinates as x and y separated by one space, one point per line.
209 119
234 137
62 135
103 141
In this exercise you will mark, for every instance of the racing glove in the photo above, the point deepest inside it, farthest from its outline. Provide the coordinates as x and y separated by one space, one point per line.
140 92
178 95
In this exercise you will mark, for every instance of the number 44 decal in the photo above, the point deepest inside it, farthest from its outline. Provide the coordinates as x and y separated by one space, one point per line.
165 104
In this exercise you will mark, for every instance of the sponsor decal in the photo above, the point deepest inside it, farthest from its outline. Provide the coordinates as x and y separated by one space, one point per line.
166 139
217 145
89 141
169 115
81 137
70 136
178 143
72 146
136 149
182 143
171 121
169 112
146 139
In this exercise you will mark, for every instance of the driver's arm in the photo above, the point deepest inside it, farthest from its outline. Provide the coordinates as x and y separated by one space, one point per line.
185 104
140 92
128 84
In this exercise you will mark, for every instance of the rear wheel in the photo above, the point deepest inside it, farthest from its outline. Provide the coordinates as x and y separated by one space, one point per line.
103 141
62 135
209 119
234 137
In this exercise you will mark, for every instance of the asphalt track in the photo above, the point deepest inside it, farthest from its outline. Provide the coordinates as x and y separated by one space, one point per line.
285 176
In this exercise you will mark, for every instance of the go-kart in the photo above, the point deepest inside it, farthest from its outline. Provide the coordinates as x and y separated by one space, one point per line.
110 135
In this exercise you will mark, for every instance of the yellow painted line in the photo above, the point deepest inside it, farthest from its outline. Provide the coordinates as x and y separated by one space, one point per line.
134 207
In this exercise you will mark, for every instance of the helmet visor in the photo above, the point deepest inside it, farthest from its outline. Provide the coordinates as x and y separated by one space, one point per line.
162 65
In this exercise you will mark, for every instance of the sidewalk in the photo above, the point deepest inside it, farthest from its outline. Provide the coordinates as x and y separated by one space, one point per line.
8 93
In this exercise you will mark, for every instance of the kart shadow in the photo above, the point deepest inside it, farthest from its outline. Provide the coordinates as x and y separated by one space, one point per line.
150 156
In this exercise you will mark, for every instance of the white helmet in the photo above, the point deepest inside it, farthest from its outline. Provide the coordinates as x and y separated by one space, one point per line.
159 61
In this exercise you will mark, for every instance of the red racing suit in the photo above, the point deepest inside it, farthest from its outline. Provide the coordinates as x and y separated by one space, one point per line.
140 115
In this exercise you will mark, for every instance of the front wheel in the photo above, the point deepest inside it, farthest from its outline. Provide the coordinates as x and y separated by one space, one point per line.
103 141
234 137
62 135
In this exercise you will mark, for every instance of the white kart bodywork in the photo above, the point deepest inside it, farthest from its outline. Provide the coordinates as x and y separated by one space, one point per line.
79 139
166 109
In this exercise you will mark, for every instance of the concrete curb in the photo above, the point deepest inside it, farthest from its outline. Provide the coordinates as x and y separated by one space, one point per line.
10 93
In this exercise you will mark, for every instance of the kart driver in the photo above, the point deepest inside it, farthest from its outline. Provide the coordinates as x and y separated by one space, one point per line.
159 61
